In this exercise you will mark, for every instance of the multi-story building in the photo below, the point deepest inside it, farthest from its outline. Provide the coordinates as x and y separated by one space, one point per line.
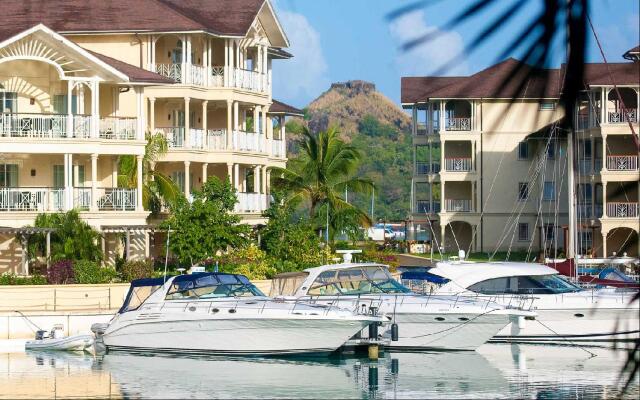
493 171
82 82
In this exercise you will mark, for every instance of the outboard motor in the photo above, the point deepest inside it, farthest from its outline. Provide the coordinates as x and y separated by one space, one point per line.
40 335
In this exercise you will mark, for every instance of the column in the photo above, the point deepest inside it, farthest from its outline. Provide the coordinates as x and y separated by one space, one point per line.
187 123
264 180
256 179
95 109
94 182
267 182
152 115
282 135
442 117
443 229
69 109
604 244
204 173
230 172
205 103
256 119
114 171
604 199
414 120
263 121
139 205
184 59
235 122
443 204
227 70
265 67
140 125
236 176
229 124
187 183
604 153
603 103
67 179
205 60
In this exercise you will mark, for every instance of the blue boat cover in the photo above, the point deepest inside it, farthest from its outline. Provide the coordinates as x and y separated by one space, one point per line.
423 276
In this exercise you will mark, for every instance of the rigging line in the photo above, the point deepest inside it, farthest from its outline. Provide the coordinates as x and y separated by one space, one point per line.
28 320
566 339
454 326
563 171
615 87
540 201
454 235
434 238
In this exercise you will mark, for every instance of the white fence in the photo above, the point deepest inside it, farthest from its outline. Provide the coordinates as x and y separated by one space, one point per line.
457 164
247 141
277 148
251 202
214 76
622 163
616 117
453 205
458 124
46 126
217 139
112 199
118 128
622 210
31 199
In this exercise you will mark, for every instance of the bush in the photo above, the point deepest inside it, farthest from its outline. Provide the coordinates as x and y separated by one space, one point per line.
249 261
136 270
61 272
13 279
92 272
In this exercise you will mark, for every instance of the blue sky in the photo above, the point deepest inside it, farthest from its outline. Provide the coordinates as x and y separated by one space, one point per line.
337 40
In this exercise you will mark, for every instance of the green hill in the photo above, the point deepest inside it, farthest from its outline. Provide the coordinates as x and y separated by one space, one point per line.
380 129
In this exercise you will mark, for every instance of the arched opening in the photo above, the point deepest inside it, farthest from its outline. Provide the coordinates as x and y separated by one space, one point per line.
623 242
458 115
626 99
458 235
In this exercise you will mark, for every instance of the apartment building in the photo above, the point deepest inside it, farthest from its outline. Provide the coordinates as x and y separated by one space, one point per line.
82 82
493 171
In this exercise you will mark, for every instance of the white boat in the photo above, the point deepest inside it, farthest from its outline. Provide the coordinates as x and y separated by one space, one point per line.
217 313
55 340
566 313
412 321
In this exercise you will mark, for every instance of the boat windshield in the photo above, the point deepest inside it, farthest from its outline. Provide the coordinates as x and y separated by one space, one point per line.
206 286
355 281
532 284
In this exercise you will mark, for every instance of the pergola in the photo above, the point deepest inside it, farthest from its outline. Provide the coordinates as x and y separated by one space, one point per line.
128 230
24 233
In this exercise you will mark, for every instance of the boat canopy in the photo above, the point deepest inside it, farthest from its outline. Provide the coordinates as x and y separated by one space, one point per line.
287 283
423 276
139 291
210 284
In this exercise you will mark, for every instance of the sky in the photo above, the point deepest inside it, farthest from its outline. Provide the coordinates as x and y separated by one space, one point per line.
339 40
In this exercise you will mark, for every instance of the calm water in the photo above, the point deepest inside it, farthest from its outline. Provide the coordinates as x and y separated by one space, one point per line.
495 371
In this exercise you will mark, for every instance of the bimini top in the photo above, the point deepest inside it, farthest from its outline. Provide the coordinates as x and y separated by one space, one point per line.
140 290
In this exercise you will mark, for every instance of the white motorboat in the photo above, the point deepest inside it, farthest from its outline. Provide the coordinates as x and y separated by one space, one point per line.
217 313
566 313
412 321
55 340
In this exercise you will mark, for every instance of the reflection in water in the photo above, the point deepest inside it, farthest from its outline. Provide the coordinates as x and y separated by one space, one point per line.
496 371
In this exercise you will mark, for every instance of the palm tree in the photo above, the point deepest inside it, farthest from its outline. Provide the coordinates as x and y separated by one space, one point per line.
157 188
320 174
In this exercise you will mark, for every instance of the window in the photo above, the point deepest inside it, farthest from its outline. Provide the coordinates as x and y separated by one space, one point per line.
586 149
523 151
533 284
178 179
523 231
549 191
353 281
551 151
585 241
8 175
549 232
523 191
60 104
78 181
547 106
58 176
8 102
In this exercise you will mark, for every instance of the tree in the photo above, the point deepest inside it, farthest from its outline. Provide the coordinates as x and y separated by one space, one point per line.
205 226
318 177
157 188
73 239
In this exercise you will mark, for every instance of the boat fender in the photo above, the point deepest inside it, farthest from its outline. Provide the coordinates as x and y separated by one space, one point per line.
394 332
373 330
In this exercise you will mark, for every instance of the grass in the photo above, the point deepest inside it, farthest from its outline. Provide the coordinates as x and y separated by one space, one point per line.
499 256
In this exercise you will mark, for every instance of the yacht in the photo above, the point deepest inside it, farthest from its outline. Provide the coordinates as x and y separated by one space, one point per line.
566 313
216 313
412 321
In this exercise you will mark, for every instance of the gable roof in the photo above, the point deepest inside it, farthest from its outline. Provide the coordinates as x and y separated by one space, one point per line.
222 17
278 107
135 74
622 73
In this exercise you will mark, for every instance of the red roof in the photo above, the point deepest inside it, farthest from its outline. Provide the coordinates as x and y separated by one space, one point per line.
134 73
278 107
623 73
225 17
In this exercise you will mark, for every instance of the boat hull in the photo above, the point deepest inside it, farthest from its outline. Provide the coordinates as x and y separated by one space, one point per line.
242 336
71 343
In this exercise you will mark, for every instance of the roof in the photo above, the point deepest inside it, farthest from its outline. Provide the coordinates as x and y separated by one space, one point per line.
632 54
134 73
278 107
223 17
465 274
623 73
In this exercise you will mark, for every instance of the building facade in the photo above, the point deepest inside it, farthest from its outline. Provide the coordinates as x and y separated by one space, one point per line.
83 82
493 171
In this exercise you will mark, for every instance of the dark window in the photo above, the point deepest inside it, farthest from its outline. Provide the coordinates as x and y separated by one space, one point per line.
523 231
523 191
547 106
549 191
523 151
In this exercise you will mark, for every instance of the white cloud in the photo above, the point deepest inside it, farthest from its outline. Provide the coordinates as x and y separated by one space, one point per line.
303 77
430 56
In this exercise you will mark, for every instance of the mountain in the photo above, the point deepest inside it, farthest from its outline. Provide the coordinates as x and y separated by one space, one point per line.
380 129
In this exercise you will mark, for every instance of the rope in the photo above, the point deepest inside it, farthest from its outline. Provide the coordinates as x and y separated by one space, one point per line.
28 320
567 340
453 327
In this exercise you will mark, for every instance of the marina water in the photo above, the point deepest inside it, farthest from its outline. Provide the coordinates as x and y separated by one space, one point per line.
494 371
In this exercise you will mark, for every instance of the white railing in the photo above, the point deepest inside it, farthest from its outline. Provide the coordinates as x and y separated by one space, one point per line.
31 199
217 139
251 202
174 136
50 126
216 78
616 117
458 124
458 164
247 141
82 126
171 71
81 198
113 199
421 128
622 210
457 205
622 163
118 128
196 75
247 79
277 148
196 139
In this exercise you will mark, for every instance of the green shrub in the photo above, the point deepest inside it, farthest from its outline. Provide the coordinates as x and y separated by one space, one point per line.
90 272
13 279
249 261
136 270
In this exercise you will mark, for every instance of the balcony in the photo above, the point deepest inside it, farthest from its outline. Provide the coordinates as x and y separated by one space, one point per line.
277 148
214 139
216 76
118 128
427 207
618 117
457 164
421 129
40 199
424 168
458 124
44 126
247 141
622 163
622 210
251 202
453 205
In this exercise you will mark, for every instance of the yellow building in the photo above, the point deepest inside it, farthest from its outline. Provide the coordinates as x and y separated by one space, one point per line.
81 82
492 171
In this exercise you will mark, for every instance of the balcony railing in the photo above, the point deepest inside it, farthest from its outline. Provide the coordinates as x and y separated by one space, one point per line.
251 202
422 168
114 199
458 164
247 141
118 128
622 210
458 124
421 128
249 80
197 75
277 148
453 205
217 139
171 71
427 207
174 136
45 126
31 199
217 77
622 163
617 117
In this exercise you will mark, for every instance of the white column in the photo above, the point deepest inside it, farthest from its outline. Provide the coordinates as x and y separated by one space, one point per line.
184 59
152 115
67 179
114 171
604 153
139 113
227 70
205 60
94 182
604 244
266 147
187 182
443 230
443 204
95 109
236 176
230 172
235 117
603 102
283 130
229 124
604 199
187 122
264 180
256 119
204 173
256 179
268 182
442 117
69 109
139 206
205 103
